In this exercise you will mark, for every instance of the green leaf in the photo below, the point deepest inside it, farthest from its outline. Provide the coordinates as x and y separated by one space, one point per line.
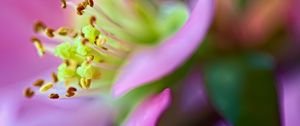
243 89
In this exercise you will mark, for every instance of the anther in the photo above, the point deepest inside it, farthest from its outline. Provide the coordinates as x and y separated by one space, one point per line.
53 96
67 62
38 45
81 7
73 34
49 32
82 34
46 87
89 59
85 83
63 31
90 2
39 26
70 94
54 77
84 41
71 91
28 92
104 48
100 42
38 83
92 21
63 4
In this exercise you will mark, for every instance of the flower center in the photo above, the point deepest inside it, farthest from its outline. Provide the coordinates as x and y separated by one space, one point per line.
92 55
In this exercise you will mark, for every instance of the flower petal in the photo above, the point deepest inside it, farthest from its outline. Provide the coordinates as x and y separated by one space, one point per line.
151 64
147 113
291 98
19 59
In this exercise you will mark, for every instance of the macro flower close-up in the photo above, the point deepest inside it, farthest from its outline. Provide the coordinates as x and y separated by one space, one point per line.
149 63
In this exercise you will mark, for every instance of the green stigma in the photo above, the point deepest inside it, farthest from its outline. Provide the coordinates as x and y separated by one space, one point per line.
90 33
87 71
65 72
65 51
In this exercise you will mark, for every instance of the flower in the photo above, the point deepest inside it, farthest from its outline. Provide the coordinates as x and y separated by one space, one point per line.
93 55
86 72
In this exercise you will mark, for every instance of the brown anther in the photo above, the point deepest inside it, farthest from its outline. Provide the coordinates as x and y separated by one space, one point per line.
53 96
67 62
93 21
89 59
82 34
74 35
102 61
39 26
63 4
90 2
54 77
50 32
38 83
104 48
28 92
63 31
84 41
72 89
70 94
81 7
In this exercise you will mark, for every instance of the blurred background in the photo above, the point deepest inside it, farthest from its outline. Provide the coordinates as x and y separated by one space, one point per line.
246 72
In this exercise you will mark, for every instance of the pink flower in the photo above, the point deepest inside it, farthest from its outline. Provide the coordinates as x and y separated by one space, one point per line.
140 69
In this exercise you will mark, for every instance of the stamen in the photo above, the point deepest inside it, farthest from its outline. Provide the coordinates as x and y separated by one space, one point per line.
50 32
105 65
71 92
63 31
54 77
63 4
54 96
46 87
38 83
81 7
93 21
90 2
90 59
85 83
39 26
113 37
100 11
38 45
104 50
28 92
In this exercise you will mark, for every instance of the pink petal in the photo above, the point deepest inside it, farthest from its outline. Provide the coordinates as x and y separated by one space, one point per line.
147 65
7 111
291 98
148 112
18 56
88 112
